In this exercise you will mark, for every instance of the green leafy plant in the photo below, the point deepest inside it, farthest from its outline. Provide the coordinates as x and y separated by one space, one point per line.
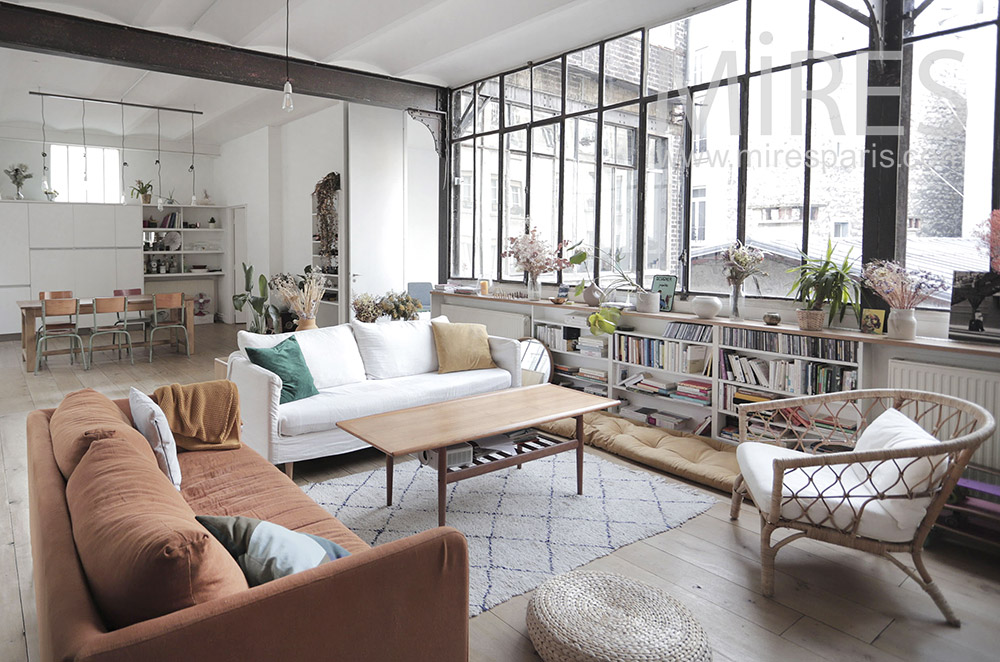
606 319
821 280
142 188
366 308
400 306
261 312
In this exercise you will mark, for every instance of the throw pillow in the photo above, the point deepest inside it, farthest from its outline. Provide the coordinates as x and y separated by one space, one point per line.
152 423
462 347
79 414
266 551
285 360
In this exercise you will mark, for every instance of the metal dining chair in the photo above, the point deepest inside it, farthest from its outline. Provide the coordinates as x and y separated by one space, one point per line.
124 320
167 302
69 308
104 305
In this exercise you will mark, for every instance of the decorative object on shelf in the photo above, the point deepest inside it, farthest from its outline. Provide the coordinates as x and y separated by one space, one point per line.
206 199
142 190
212 224
558 300
286 100
592 295
400 306
666 285
706 307
18 174
50 194
740 263
535 257
772 319
873 321
202 303
822 280
484 287
261 312
968 320
328 219
903 289
605 320
302 293
172 241
366 308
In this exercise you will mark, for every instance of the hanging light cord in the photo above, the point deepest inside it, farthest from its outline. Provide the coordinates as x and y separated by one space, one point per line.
83 125
124 162
45 155
193 194
287 77
159 178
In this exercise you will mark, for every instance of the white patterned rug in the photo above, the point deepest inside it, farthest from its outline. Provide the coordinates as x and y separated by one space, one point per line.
523 526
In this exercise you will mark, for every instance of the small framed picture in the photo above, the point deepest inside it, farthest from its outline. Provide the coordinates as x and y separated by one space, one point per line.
873 321
666 285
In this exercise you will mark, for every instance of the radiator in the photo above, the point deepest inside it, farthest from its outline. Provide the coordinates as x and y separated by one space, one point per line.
978 386
507 325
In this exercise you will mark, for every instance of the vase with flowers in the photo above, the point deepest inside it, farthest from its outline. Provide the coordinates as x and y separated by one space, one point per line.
741 262
302 293
18 174
535 257
903 289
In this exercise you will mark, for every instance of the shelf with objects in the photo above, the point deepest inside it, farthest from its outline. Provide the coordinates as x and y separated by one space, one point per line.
325 249
580 358
188 248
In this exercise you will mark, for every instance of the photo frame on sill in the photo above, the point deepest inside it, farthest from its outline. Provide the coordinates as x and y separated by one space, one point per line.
666 285
873 321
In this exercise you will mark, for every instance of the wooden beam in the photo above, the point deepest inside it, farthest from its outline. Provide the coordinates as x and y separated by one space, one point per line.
26 28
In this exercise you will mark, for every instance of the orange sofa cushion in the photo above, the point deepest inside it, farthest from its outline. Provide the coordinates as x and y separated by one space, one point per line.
80 419
142 550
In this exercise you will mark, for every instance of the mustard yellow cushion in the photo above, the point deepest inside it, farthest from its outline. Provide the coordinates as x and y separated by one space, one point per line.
462 347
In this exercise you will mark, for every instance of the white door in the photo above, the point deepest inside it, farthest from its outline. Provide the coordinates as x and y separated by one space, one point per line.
239 257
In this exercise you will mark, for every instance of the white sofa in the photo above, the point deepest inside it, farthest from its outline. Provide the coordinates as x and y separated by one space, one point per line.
359 369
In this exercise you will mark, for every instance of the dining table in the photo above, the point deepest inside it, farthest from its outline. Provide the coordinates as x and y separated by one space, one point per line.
31 312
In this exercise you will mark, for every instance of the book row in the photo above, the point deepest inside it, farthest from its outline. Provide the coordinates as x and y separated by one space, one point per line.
670 356
793 376
788 343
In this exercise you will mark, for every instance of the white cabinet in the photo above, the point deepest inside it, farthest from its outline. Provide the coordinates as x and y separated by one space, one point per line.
96 272
53 269
128 226
51 225
128 265
14 269
93 226
10 314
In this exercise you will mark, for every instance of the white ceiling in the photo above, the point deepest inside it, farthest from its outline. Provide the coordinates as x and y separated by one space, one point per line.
442 42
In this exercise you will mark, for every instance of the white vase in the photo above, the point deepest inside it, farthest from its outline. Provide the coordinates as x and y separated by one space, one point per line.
706 307
902 324
647 302
592 295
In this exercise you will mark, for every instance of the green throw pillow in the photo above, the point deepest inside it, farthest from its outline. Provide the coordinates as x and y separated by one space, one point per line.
286 361
267 551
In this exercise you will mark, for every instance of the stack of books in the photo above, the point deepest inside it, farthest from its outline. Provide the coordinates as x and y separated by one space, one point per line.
566 370
593 374
590 346
643 383
694 391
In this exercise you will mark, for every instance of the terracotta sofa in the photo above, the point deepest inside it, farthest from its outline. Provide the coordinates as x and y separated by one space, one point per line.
404 600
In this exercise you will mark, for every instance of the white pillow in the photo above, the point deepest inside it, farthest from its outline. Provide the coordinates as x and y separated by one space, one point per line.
397 349
152 423
331 352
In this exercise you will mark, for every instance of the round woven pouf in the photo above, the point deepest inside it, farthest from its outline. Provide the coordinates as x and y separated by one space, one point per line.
584 616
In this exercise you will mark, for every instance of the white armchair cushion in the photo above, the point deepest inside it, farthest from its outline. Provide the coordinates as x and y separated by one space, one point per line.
893 430
397 349
818 495
331 352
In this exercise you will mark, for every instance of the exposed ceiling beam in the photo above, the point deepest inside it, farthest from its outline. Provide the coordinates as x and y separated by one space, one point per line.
25 28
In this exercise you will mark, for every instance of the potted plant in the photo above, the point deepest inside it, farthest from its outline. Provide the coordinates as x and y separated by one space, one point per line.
366 308
302 293
400 306
260 310
605 320
144 190
741 262
50 194
18 174
821 280
535 257
903 289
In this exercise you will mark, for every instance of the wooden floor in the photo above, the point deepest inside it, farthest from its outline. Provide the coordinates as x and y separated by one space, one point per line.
829 604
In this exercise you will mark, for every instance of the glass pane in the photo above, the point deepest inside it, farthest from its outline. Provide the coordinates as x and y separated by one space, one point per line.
664 181
517 97
836 186
488 105
462 112
462 205
487 163
112 176
779 33
582 79
776 176
545 184
715 125
620 189
514 203
836 31
547 92
580 187
622 68
951 154
946 14
704 47
59 171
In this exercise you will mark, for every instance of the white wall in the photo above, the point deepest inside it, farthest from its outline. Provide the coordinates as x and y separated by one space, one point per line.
422 194
243 172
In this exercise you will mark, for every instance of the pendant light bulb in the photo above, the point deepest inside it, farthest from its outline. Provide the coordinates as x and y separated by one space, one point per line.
286 104
159 204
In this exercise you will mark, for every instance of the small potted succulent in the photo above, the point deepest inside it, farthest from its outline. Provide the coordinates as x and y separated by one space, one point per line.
822 281
143 190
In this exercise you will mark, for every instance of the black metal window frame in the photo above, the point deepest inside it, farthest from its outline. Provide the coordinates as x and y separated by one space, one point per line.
879 211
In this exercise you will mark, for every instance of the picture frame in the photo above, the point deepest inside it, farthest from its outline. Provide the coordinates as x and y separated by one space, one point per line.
666 285
873 321
975 307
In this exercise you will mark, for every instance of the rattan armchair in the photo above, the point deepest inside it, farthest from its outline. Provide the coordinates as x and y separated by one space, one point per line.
879 501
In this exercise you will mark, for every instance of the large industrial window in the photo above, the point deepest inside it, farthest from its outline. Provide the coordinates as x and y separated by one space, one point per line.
85 174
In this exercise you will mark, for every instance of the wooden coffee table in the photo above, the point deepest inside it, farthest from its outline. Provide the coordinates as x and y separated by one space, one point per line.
437 426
